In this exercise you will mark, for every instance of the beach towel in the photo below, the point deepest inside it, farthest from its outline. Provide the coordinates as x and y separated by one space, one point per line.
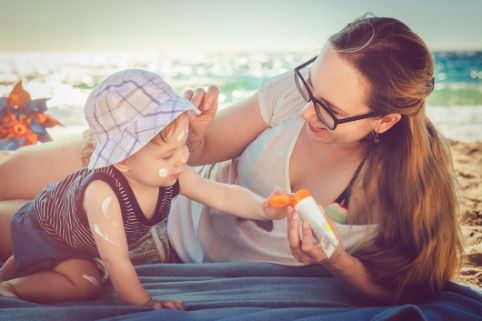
248 291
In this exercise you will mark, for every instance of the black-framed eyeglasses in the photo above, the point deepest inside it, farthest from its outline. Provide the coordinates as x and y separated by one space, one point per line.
324 113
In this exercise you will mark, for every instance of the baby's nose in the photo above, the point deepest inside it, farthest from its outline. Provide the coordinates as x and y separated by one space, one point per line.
183 158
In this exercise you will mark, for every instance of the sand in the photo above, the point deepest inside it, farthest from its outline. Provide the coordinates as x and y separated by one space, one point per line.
468 166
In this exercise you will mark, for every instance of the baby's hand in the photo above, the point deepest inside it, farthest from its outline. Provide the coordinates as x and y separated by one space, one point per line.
157 304
275 206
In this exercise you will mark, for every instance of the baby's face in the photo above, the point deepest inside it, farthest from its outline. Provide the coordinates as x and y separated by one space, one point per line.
160 163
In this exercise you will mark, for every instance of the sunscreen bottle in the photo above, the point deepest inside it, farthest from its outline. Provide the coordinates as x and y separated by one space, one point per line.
312 214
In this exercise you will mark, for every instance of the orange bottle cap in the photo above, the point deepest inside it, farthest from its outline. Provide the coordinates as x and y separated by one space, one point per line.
279 200
282 200
300 195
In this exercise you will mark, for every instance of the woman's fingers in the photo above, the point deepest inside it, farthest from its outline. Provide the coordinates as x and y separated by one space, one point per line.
307 243
294 236
188 94
202 99
303 246
211 99
293 229
205 101
310 246
207 104
198 97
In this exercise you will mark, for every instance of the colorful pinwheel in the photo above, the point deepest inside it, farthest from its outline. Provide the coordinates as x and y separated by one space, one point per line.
22 120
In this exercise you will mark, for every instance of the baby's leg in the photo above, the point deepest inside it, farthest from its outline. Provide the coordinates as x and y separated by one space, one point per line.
7 211
73 279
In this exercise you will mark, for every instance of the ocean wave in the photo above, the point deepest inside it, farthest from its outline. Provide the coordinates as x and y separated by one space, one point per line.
457 94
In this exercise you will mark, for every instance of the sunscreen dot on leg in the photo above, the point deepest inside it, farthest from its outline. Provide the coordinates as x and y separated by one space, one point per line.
91 279
163 172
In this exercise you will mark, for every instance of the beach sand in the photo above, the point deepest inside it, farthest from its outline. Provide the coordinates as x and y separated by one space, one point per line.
468 166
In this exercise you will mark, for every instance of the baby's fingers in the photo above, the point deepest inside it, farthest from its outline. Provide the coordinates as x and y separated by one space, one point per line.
175 305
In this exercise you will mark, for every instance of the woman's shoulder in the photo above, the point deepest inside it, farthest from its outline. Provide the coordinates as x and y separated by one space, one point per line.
279 98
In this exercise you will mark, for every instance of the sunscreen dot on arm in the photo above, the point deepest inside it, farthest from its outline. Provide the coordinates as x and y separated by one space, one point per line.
105 210
102 235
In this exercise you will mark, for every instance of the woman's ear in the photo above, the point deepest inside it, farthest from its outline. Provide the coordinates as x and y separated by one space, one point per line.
386 122
122 166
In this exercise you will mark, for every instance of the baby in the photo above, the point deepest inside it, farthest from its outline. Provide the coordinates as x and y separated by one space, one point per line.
138 166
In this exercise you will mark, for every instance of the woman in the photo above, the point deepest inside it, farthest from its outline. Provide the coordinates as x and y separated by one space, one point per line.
349 125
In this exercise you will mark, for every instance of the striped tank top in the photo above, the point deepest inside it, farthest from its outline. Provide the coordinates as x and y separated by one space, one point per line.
59 211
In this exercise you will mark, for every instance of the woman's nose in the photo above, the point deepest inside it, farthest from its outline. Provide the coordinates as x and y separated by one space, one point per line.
308 112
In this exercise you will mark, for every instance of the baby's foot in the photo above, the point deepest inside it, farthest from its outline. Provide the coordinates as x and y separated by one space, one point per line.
7 291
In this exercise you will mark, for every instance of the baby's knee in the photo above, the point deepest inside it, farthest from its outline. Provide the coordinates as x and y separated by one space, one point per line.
89 286
83 276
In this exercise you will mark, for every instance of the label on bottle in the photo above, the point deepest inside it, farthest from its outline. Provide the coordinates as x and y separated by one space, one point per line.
312 214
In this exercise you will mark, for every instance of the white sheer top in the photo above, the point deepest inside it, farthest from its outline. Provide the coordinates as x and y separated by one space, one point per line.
202 234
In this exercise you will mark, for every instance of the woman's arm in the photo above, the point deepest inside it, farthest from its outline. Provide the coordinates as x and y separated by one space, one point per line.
28 170
356 278
345 267
229 132
25 172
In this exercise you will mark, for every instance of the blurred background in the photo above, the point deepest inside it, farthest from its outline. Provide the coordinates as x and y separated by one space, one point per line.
62 49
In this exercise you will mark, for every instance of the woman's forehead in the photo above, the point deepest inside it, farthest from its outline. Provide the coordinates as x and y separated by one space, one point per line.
338 82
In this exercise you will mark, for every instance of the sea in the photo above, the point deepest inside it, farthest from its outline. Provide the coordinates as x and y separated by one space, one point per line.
66 78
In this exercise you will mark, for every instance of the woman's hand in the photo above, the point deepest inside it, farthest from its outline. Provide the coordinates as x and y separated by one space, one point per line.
207 103
343 266
304 247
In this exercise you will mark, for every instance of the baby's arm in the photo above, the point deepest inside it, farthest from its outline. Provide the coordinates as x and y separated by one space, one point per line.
232 199
105 220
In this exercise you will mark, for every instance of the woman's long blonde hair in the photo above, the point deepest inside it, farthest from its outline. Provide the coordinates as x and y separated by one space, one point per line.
418 248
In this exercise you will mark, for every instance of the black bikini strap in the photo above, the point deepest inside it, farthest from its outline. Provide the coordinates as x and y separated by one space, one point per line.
345 195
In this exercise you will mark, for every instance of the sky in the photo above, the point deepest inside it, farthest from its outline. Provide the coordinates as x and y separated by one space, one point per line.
223 26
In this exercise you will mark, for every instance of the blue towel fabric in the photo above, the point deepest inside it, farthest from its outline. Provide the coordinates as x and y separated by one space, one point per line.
248 291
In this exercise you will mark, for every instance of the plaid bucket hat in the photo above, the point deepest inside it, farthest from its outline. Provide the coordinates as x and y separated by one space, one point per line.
126 111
